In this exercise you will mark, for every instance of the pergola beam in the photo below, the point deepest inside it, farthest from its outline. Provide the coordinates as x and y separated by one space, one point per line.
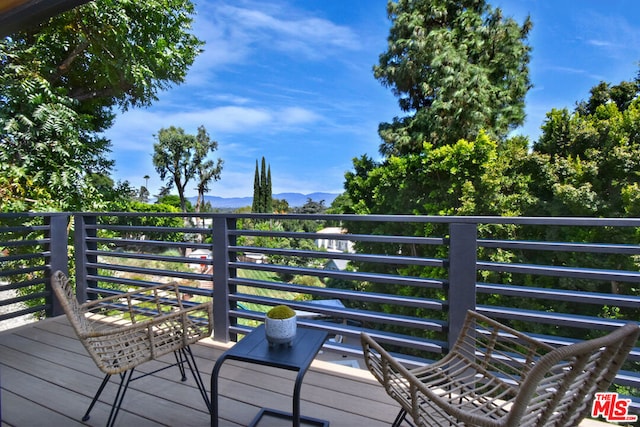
16 15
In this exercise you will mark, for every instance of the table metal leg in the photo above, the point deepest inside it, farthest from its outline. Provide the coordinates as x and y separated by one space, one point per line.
296 398
214 392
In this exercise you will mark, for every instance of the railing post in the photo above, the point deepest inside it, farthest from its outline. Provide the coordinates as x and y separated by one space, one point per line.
462 275
81 246
221 272
58 256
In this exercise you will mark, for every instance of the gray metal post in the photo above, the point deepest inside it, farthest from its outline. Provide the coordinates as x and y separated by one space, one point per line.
81 245
58 258
220 253
462 275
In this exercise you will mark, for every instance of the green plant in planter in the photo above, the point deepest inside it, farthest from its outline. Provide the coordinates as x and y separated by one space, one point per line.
280 325
281 312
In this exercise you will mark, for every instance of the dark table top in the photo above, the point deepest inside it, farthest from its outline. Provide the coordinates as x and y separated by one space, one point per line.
255 348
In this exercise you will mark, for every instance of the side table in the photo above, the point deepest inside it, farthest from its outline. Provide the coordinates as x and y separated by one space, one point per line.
254 348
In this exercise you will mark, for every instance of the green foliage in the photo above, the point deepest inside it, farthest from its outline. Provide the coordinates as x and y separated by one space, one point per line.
458 66
312 207
278 242
44 154
342 204
281 312
60 83
591 159
174 201
465 178
280 205
147 221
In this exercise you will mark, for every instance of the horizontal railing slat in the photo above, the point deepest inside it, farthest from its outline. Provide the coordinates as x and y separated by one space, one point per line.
371 258
560 295
561 246
344 294
346 275
561 271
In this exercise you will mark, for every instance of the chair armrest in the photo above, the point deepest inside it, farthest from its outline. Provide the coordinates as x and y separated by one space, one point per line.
172 287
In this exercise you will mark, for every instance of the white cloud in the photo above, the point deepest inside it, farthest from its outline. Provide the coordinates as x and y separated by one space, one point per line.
134 130
615 34
272 29
601 43
296 116
224 119
234 33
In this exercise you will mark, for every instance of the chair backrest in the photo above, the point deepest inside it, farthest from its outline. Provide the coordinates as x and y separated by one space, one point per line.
67 298
560 388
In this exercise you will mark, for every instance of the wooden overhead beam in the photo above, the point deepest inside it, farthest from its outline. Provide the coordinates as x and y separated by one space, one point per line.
16 15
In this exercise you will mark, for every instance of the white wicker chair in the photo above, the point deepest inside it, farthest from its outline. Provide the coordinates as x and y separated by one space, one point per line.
122 331
495 376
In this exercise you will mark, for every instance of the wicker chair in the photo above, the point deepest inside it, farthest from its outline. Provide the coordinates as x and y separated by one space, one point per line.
122 331
496 376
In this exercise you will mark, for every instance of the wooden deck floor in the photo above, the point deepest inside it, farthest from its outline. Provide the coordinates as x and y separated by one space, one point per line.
47 378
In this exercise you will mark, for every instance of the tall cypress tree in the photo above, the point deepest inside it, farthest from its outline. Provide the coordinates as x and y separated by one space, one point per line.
262 198
268 206
263 187
255 207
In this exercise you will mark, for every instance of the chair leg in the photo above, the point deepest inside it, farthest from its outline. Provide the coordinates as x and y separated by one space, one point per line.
180 362
191 362
184 355
399 418
402 415
95 398
125 379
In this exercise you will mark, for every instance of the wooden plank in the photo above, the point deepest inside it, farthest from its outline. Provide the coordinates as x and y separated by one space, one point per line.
141 397
19 411
53 402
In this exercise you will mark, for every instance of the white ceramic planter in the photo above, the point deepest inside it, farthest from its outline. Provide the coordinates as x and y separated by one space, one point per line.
280 331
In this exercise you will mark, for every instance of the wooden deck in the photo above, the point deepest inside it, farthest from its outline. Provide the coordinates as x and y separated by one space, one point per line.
47 378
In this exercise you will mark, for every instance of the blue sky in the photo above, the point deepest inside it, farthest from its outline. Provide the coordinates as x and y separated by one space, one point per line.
292 81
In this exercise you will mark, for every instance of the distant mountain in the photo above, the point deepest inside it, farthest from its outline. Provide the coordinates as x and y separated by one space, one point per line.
295 200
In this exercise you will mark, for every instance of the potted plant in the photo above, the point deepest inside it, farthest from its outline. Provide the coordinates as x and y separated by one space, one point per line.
280 325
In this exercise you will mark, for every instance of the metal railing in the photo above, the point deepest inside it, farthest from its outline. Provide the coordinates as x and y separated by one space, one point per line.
409 289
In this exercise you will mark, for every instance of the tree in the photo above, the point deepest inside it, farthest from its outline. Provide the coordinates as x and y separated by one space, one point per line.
262 197
61 81
587 160
268 194
256 205
459 66
462 69
179 157
174 201
207 171
312 207
280 205
143 195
